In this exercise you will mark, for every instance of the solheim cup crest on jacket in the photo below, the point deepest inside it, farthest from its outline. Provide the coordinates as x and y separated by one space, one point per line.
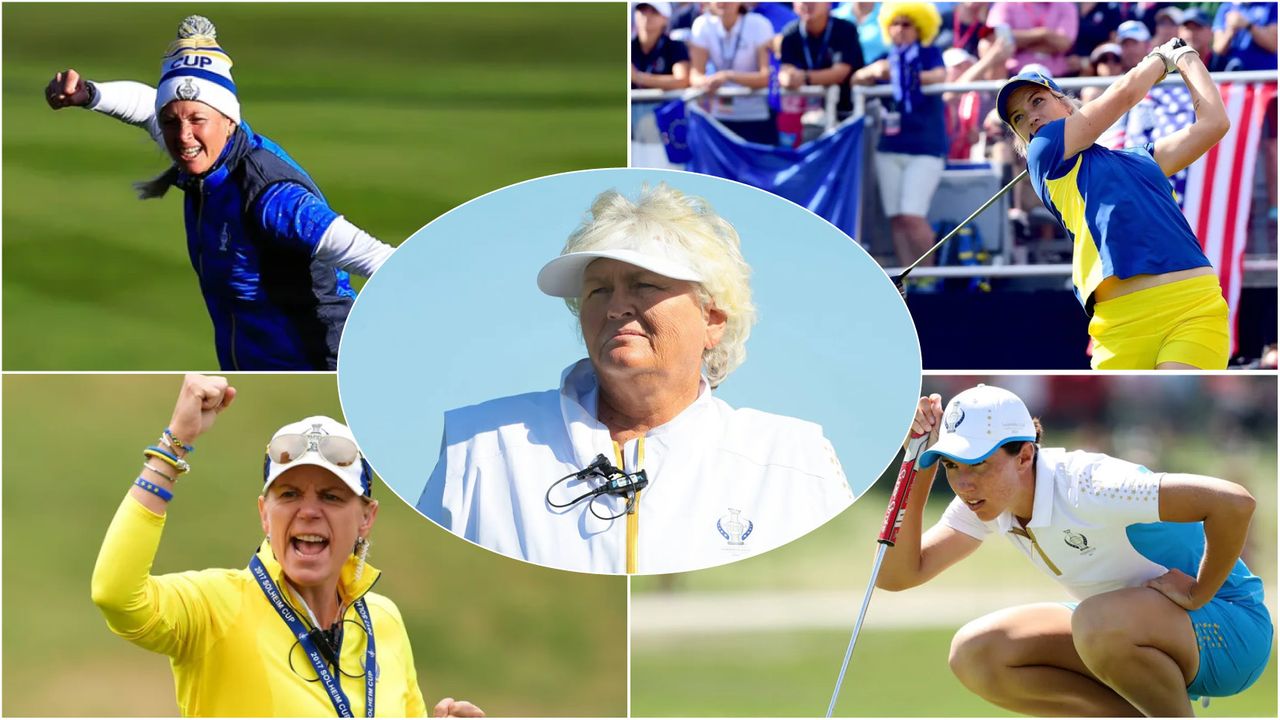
735 528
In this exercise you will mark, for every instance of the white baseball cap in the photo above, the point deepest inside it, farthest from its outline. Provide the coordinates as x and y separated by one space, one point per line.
952 57
977 422
323 442
663 8
1105 49
562 277
1132 30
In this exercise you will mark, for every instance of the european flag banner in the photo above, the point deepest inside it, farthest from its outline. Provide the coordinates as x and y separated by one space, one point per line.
675 131
823 176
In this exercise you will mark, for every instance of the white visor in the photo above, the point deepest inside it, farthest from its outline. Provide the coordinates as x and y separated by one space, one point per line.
562 277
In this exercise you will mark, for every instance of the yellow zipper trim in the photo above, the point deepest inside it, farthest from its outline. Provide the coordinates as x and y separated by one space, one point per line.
1028 535
633 517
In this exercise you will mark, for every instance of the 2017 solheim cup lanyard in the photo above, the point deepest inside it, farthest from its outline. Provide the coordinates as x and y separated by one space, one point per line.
330 682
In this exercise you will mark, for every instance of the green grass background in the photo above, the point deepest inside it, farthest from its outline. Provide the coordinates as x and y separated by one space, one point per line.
399 111
895 671
515 638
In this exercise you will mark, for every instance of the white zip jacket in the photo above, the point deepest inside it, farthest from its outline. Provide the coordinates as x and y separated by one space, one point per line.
724 484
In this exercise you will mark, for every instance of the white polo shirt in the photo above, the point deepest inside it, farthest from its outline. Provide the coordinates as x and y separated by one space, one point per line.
724 483
736 49
1095 527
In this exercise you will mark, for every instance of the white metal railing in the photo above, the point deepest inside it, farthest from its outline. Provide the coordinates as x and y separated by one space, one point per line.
862 92
656 95
1261 263
831 93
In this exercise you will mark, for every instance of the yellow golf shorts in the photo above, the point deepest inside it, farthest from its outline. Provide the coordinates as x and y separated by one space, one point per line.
1184 321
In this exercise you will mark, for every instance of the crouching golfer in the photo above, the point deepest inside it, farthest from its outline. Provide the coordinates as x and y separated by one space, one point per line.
1167 610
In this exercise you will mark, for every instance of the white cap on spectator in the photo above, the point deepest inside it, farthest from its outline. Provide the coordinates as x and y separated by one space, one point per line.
1172 12
663 8
1104 49
955 56
1036 68
1133 30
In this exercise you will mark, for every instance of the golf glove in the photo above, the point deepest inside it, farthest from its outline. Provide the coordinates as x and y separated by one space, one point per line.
1170 51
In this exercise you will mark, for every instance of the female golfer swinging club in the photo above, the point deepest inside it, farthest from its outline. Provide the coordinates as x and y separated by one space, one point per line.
1167 609
1152 295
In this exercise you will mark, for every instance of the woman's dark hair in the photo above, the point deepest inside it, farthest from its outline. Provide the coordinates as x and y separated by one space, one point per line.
1015 447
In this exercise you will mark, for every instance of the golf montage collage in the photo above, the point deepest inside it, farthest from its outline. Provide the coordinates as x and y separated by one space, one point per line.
639 359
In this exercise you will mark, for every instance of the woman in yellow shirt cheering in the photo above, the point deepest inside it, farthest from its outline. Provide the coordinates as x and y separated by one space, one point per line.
297 632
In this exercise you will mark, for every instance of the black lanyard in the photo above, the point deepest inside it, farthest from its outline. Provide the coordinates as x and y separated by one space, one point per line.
331 684
737 41
654 57
822 49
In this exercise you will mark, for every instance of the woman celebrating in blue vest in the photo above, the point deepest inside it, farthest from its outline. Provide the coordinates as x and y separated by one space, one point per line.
298 633
1138 269
272 257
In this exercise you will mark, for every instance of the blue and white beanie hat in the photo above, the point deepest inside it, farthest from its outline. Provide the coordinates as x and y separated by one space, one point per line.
195 68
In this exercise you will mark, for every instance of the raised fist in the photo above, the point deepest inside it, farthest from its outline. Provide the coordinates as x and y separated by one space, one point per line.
200 400
67 89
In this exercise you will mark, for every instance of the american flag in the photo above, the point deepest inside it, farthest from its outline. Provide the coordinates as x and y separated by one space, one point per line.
1216 191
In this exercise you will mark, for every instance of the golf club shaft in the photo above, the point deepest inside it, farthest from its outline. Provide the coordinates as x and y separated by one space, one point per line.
888 535
959 227
857 626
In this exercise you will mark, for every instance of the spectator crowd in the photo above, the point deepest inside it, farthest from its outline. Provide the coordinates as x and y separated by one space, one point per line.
907 45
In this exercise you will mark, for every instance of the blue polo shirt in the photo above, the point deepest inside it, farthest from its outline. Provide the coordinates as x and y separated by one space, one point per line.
1118 208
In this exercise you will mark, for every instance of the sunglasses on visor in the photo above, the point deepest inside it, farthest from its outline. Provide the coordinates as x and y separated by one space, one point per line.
284 449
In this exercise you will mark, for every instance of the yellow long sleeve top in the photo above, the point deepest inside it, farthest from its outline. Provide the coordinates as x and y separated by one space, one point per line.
229 649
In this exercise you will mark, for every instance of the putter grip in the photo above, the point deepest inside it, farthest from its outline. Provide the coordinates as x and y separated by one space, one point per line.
901 490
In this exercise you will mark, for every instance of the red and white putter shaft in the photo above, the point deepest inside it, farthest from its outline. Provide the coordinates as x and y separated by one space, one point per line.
888 535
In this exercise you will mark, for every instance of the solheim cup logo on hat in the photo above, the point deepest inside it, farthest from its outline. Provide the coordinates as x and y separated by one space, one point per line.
187 90
953 419
313 436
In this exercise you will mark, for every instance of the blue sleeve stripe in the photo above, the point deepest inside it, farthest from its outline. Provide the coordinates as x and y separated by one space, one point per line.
214 78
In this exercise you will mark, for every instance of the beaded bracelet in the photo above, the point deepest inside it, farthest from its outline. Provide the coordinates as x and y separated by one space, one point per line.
172 460
154 489
168 438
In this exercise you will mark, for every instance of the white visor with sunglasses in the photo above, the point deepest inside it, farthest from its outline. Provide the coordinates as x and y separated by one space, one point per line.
320 441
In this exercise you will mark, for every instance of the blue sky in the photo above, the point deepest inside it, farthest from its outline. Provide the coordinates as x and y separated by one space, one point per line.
455 318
